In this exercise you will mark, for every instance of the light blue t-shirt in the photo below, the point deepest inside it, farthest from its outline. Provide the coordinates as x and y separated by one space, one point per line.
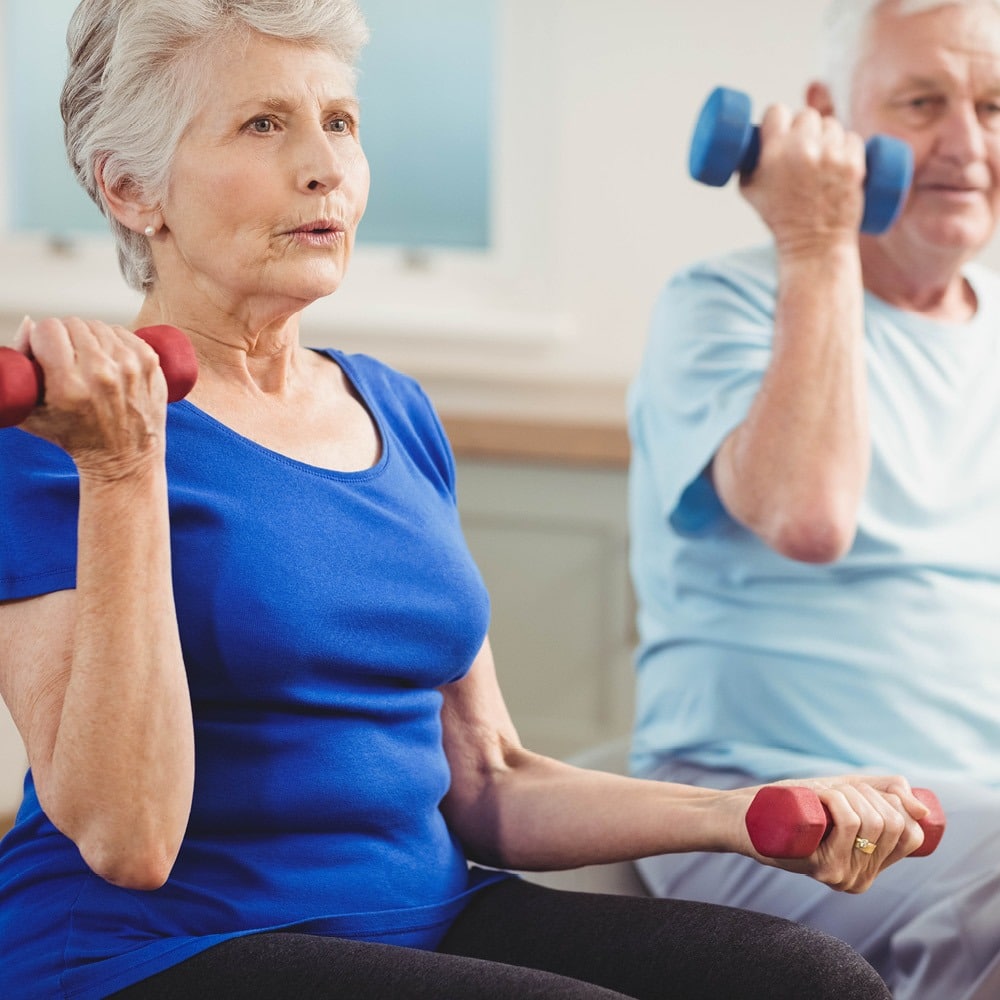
887 659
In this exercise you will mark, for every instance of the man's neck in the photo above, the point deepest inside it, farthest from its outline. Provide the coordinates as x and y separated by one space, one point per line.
932 286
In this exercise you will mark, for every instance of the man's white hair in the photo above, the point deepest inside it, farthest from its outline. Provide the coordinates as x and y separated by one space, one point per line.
843 40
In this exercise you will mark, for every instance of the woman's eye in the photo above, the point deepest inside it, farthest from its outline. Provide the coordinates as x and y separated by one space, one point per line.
262 125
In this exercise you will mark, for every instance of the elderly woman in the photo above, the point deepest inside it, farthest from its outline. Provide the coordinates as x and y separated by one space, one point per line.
243 639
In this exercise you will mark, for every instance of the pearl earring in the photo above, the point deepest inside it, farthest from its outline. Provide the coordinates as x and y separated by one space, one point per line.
150 232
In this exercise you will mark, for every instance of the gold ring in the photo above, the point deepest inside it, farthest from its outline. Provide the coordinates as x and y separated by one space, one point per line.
865 845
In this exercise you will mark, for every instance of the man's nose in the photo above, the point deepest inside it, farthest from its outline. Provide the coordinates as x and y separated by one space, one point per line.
961 135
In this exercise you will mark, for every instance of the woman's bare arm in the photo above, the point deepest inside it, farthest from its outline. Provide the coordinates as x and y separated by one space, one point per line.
94 677
517 809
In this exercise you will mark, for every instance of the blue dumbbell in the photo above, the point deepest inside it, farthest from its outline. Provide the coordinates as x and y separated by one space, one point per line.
725 141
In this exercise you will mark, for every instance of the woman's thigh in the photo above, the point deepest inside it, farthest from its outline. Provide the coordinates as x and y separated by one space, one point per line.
653 949
282 966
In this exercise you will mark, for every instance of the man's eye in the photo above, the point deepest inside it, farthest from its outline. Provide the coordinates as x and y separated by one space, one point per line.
341 125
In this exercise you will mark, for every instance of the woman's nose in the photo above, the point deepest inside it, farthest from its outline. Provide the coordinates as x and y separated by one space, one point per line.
322 161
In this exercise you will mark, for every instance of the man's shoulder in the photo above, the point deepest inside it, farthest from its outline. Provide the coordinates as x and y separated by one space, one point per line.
744 280
984 279
748 269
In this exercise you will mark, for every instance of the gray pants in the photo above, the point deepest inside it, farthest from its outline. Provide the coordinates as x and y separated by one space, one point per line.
930 926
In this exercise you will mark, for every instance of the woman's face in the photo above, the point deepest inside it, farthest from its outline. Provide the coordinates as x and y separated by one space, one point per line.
268 184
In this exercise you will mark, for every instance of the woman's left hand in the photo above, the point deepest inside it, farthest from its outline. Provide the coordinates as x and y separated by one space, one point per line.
866 812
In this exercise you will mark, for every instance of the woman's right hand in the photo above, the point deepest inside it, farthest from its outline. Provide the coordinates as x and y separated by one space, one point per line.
105 395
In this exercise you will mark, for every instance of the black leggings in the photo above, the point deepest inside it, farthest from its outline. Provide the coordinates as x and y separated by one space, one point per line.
517 941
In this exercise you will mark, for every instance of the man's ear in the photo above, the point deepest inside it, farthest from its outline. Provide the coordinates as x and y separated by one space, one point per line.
126 202
818 96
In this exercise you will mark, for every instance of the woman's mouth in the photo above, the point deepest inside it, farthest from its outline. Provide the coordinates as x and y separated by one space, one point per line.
320 233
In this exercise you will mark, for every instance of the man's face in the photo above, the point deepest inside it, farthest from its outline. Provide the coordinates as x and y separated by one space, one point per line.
933 80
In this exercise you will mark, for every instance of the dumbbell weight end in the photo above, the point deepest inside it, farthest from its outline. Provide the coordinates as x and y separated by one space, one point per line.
724 140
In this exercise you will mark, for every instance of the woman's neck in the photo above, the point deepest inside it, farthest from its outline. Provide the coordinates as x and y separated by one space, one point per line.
260 353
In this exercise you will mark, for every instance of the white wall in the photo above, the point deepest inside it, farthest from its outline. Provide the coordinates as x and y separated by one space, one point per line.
594 207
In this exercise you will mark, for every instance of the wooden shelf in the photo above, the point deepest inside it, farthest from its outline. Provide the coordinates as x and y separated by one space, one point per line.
562 423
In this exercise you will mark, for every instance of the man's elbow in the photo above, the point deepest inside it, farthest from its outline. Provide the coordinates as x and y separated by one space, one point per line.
813 538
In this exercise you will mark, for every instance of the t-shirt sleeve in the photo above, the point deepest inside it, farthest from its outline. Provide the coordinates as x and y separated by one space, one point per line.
409 414
39 502
436 439
708 347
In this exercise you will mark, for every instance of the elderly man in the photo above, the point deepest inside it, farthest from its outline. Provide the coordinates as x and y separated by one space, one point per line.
816 493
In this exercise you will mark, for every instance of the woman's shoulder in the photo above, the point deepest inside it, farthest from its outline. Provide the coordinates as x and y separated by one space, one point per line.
370 369
401 406
383 387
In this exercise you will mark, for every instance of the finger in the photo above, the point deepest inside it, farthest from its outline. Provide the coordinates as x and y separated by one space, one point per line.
883 820
808 121
109 355
852 815
853 847
93 349
776 118
914 807
901 833
856 154
900 823
774 124
23 334
50 345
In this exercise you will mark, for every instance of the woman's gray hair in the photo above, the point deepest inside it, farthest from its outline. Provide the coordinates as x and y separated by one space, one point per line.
136 77
844 36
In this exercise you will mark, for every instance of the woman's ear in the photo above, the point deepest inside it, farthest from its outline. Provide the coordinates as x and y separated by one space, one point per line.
818 96
126 202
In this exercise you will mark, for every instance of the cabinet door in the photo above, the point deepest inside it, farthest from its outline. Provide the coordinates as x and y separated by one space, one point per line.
551 543
13 764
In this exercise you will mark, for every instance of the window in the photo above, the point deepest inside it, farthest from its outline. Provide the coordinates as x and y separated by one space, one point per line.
427 120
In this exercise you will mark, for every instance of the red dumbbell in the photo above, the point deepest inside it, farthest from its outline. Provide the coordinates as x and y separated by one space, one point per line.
786 821
22 386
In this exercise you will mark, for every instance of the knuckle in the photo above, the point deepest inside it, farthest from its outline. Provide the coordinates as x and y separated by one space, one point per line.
131 366
105 374
895 824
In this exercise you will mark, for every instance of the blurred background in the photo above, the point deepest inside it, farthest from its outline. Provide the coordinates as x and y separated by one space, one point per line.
530 196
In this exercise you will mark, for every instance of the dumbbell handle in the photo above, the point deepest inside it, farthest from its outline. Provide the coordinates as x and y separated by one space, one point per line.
22 383
789 821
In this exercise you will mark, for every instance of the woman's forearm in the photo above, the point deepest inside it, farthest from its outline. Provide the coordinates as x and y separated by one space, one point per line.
536 813
120 776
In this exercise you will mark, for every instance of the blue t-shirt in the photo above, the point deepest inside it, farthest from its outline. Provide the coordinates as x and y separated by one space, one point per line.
319 613
887 659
